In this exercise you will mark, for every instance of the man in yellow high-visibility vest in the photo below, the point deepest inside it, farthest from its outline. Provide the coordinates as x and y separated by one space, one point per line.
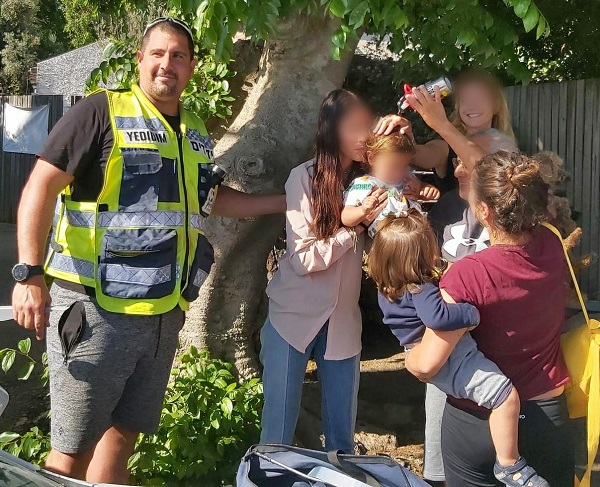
134 174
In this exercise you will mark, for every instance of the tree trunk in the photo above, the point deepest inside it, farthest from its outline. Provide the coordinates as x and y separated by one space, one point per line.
273 132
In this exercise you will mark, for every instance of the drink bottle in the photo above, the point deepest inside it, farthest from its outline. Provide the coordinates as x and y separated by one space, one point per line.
442 83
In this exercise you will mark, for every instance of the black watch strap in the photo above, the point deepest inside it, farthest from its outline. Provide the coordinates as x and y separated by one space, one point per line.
365 226
36 270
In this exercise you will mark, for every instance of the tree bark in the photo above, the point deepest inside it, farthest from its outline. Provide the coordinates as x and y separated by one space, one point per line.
273 132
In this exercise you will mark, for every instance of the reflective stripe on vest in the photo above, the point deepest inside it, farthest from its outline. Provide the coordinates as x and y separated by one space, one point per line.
136 275
71 265
113 219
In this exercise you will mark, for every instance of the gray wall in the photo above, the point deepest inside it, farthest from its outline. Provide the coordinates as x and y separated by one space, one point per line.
66 74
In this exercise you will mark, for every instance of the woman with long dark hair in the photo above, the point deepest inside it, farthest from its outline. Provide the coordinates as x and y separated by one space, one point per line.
313 297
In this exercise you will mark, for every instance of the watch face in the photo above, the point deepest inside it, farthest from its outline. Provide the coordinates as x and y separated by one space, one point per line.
20 272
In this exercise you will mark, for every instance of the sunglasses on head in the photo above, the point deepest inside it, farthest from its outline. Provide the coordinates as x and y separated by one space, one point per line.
171 20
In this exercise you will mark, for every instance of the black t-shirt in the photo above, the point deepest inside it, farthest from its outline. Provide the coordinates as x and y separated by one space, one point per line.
448 182
459 232
80 144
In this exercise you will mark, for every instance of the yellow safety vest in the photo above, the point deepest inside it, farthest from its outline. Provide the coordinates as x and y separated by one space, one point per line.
141 245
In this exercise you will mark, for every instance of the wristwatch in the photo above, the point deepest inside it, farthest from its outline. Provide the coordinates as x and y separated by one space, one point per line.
22 272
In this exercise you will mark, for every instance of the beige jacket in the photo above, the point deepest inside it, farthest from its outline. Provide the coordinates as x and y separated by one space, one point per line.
317 280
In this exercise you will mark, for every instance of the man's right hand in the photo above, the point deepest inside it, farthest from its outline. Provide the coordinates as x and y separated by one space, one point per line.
29 302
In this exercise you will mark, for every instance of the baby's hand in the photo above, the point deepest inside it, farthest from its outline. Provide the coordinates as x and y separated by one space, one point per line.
369 204
429 193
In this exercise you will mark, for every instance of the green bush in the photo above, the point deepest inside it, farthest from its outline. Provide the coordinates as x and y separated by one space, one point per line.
209 419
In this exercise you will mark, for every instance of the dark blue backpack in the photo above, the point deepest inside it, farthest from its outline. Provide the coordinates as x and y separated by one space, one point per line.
288 466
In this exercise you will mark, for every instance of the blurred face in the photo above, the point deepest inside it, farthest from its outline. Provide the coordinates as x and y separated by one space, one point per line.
389 167
476 107
166 65
479 209
353 130
463 174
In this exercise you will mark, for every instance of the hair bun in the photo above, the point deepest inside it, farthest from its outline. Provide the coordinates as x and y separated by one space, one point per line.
523 173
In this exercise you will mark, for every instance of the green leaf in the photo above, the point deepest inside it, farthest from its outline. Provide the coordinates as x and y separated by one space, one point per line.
227 406
357 16
465 38
521 7
8 360
531 19
25 346
489 21
400 19
95 73
542 28
119 74
7 437
26 371
337 8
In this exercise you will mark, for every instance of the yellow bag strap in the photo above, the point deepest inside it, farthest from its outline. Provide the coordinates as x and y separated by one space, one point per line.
593 412
555 231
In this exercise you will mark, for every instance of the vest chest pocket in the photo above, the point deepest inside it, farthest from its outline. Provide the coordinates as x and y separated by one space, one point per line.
147 180
138 263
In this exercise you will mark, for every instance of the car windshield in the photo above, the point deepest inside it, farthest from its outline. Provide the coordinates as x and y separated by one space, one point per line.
16 473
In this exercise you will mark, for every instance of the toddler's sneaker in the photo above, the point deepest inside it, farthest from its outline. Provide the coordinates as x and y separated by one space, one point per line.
519 475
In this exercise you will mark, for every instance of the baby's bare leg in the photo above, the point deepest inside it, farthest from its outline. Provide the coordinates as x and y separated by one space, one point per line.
504 427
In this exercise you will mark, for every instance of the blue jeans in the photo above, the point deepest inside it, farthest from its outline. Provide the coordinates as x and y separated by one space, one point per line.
283 378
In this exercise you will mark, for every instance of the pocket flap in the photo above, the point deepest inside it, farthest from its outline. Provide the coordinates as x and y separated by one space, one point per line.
139 162
138 241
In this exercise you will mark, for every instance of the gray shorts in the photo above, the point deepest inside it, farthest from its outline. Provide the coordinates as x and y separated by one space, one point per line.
468 374
116 374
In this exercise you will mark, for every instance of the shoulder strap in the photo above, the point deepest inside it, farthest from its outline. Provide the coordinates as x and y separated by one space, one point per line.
555 231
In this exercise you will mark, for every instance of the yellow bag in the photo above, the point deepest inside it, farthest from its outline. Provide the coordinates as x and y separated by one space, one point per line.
581 349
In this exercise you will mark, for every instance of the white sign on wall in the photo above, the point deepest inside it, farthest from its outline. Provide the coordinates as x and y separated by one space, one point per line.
25 129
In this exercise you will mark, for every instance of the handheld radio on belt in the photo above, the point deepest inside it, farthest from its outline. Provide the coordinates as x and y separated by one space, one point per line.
218 176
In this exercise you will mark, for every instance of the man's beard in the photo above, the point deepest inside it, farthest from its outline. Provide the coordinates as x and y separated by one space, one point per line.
161 90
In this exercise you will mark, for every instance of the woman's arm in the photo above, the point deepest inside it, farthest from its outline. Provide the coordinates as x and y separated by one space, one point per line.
433 155
307 253
352 215
426 359
434 114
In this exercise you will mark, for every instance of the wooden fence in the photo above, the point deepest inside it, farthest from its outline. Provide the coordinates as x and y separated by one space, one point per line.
565 118
15 168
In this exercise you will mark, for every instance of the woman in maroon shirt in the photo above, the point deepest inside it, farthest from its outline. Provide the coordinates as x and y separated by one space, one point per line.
518 285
